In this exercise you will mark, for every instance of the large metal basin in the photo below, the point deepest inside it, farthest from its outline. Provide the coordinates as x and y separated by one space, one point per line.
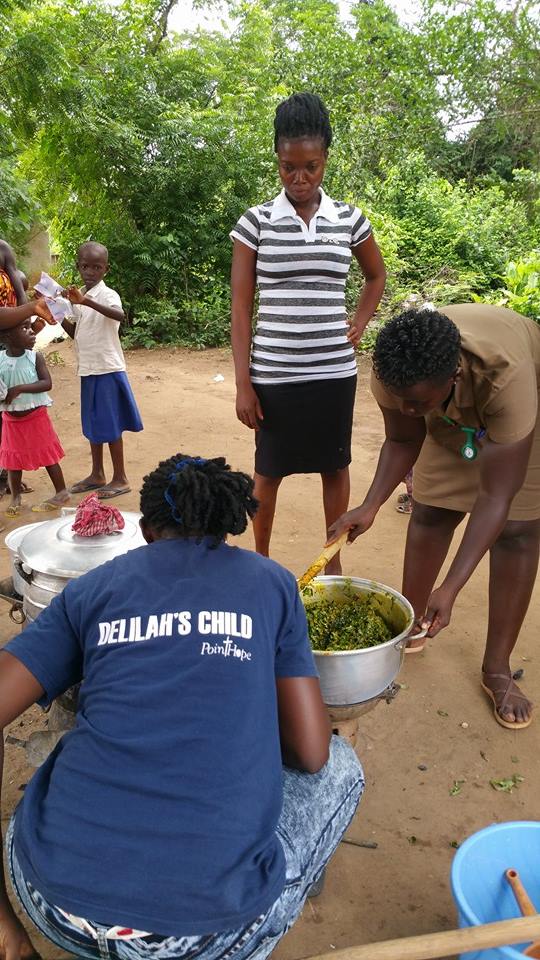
354 676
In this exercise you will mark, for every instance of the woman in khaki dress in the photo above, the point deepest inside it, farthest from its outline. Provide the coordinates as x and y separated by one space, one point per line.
459 394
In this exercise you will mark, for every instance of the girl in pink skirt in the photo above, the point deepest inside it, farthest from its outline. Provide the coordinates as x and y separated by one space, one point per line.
28 437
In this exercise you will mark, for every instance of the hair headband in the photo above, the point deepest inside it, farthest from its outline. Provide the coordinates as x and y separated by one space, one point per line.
178 467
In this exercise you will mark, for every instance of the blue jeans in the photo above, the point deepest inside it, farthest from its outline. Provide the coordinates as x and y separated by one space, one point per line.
317 809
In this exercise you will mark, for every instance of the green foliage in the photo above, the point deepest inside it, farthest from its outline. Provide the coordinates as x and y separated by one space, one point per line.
444 226
155 144
198 322
522 286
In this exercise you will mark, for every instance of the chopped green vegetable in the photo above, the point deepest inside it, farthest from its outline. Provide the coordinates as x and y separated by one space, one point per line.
442 713
507 784
456 788
351 623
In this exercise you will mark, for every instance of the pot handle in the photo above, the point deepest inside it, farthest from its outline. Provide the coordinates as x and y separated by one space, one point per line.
416 636
19 566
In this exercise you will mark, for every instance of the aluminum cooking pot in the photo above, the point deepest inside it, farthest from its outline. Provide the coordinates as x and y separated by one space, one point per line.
354 676
54 550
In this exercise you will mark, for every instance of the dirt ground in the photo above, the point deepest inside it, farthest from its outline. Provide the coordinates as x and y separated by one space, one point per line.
440 719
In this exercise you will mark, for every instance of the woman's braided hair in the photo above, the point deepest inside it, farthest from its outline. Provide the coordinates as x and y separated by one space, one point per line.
194 497
416 345
302 115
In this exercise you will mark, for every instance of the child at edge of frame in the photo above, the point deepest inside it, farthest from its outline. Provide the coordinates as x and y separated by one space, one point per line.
29 440
108 407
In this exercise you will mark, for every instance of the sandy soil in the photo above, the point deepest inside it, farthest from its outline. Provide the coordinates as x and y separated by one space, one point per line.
440 720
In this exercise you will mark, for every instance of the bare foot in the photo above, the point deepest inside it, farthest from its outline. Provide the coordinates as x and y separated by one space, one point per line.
59 498
511 707
89 483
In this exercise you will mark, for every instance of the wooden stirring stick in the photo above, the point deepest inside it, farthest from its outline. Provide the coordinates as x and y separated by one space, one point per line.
526 906
321 561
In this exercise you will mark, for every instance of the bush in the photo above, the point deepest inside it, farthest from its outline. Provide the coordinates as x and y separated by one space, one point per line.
522 286
193 322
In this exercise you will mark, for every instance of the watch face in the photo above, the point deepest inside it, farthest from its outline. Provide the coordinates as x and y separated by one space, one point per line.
468 451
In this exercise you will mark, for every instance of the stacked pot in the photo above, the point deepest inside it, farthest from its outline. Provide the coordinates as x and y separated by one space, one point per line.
46 556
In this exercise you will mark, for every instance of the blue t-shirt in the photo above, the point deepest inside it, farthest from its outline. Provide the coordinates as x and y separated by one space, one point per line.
158 811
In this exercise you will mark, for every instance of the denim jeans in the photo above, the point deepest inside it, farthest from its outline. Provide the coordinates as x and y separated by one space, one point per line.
317 809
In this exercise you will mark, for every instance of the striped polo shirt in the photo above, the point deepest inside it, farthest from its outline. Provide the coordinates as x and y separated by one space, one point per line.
301 331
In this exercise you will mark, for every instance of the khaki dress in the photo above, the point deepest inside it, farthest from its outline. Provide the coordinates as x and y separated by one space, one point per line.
497 394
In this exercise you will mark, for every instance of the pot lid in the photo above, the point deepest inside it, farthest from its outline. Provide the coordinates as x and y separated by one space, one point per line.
16 536
52 547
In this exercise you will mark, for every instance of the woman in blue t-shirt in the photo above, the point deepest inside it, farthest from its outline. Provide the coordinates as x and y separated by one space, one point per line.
165 823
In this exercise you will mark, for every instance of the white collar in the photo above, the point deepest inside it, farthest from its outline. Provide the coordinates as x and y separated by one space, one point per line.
97 288
282 207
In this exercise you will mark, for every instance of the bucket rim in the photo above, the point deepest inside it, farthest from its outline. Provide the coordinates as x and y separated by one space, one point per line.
462 905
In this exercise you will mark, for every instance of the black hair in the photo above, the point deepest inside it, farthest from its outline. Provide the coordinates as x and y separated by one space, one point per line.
302 115
94 247
194 497
416 345
5 335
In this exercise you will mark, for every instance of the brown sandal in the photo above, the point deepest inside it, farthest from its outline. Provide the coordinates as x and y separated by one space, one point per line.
504 689
404 503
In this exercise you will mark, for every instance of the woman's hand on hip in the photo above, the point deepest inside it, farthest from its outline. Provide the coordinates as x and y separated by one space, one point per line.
248 407
354 333
15 944
356 521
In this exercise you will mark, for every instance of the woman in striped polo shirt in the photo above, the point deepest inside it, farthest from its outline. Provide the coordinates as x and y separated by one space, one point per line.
296 377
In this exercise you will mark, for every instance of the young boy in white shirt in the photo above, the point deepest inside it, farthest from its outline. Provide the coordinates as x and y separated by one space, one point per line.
107 403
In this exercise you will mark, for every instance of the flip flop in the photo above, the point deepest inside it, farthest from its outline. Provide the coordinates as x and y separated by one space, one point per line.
112 492
505 690
82 487
419 647
46 507
13 512
5 488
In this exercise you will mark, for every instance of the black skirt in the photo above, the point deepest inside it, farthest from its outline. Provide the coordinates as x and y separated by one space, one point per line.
306 428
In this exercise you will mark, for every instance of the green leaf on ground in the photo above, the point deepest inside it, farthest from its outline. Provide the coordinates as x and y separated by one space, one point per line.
507 784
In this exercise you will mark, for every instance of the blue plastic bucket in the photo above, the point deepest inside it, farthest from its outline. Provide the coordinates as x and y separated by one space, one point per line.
480 889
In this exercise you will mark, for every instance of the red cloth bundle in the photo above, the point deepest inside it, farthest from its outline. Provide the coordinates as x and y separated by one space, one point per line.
93 518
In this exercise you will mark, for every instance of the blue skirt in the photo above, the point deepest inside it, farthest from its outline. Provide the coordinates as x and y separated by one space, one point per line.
108 407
